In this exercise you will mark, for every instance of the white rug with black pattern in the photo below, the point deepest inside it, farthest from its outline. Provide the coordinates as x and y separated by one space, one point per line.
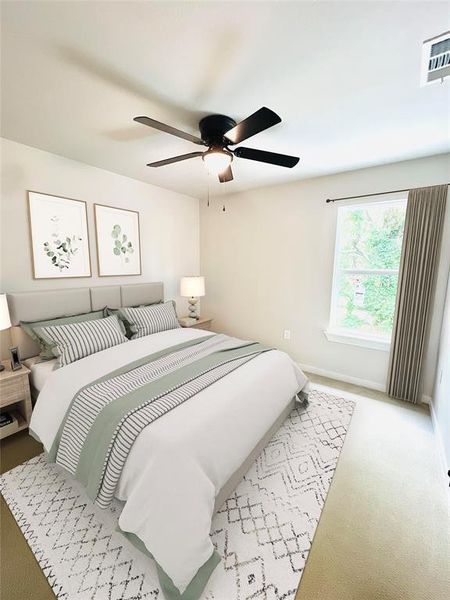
263 532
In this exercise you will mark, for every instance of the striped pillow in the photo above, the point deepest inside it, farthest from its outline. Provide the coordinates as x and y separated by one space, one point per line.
146 320
126 326
77 340
46 350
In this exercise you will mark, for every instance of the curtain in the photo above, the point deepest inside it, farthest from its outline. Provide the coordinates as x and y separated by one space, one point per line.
418 266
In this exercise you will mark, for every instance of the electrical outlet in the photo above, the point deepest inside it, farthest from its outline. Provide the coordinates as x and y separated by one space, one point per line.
287 334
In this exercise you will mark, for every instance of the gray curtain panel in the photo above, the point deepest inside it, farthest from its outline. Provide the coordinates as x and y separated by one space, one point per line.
418 266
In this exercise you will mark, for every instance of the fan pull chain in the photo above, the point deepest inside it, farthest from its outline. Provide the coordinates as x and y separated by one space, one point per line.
208 203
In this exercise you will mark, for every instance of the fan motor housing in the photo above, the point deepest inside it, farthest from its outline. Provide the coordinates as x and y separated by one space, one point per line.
213 129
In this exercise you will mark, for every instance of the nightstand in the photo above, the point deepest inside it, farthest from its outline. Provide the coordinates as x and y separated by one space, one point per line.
201 323
15 398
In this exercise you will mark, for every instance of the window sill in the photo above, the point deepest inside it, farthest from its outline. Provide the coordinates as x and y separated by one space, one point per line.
358 340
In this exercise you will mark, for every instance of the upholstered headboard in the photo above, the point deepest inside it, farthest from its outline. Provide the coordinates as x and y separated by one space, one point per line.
51 304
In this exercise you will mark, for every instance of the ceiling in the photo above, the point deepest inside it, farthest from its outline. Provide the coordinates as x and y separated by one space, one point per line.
344 77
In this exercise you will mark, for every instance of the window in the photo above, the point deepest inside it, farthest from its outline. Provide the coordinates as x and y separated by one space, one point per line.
368 248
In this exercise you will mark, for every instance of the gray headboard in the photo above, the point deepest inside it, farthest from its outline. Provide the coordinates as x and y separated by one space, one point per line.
51 304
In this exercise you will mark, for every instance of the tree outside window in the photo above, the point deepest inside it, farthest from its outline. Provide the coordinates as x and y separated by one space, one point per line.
368 250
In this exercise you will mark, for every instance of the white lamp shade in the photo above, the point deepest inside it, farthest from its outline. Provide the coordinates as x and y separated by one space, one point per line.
192 287
217 162
5 321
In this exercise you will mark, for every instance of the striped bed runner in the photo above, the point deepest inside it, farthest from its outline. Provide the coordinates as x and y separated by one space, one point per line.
127 402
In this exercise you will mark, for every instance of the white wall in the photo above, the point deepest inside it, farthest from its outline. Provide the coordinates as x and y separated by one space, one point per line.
169 222
268 259
441 394
268 263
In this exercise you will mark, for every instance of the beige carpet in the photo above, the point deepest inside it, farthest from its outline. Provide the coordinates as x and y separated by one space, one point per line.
20 576
383 534
384 531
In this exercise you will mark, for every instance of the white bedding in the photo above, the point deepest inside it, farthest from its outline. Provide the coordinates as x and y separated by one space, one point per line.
40 371
180 462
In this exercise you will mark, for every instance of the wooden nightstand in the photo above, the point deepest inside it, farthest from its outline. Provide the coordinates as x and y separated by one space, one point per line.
15 397
201 323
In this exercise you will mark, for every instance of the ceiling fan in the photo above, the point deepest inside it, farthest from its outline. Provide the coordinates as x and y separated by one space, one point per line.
218 132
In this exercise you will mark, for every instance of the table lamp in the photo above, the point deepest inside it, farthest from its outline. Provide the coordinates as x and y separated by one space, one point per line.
5 321
192 288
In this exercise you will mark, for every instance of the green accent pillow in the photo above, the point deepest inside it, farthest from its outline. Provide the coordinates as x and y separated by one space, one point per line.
47 352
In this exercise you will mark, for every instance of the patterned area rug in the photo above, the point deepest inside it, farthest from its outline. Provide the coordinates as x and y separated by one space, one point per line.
263 532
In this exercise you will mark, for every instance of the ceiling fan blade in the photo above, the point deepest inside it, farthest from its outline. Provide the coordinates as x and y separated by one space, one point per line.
174 159
282 160
259 121
227 175
168 129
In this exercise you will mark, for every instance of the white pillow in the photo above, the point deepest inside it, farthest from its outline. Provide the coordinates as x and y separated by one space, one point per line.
146 320
77 340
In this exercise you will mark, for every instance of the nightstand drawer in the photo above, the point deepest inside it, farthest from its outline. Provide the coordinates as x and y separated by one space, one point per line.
15 397
12 390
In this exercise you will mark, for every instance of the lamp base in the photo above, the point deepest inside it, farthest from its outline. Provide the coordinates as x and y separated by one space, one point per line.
193 308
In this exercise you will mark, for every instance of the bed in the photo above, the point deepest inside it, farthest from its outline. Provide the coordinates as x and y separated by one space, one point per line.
181 467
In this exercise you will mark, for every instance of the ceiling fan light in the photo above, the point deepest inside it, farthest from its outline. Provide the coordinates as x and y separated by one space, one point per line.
217 161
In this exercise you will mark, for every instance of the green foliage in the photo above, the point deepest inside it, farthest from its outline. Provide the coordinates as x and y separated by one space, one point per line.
120 245
61 252
376 313
371 238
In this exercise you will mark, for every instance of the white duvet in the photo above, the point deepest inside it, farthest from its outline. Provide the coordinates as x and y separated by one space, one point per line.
180 462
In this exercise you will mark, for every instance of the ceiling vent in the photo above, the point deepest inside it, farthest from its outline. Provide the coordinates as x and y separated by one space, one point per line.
435 59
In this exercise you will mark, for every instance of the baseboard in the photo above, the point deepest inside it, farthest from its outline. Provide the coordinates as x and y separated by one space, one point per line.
372 385
440 444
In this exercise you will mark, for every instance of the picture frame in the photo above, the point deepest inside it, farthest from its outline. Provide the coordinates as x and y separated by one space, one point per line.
14 356
117 233
59 237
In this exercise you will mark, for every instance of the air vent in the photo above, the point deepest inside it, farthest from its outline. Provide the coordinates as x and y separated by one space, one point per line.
435 59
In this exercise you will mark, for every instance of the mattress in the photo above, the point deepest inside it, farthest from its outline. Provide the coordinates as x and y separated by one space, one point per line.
40 371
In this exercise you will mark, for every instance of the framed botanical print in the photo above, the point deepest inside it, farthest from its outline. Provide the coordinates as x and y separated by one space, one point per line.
59 237
118 242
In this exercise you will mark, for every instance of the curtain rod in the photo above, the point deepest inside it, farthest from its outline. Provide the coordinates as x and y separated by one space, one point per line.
369 195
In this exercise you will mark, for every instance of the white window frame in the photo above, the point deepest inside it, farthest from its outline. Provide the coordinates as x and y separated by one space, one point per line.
345 336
